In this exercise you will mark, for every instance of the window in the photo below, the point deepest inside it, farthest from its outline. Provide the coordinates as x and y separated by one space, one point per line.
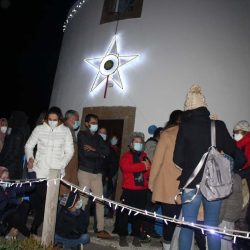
114 10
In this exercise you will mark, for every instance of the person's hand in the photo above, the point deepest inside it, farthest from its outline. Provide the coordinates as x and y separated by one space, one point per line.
30 163
214 117
147 164
88 148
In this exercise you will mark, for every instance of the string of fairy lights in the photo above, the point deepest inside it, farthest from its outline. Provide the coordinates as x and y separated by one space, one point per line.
72 13
178 221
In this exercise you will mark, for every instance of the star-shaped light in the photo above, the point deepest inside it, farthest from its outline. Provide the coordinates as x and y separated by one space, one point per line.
108 66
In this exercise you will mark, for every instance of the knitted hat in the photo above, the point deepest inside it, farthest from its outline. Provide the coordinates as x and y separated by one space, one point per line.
242 125
195 98
69 200
2 170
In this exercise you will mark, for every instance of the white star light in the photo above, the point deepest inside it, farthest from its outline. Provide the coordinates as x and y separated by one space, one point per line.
108 66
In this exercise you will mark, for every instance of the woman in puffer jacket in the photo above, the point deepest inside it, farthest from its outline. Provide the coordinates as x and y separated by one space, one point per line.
54 151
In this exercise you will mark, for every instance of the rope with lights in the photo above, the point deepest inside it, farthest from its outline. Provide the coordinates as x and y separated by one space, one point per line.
204 229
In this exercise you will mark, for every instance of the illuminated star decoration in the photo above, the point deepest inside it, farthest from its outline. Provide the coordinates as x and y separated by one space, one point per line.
108 67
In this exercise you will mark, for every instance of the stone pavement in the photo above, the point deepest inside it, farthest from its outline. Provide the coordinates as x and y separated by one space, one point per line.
99 244
113 243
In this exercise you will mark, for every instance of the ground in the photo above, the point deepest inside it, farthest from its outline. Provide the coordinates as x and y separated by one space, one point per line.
113 243
99 244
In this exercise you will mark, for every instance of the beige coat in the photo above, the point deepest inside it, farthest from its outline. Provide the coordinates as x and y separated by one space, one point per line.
163 175
70 172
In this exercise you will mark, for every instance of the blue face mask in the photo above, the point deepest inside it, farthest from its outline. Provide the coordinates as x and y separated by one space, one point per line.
93 128
114 141
138 146
76 125
104 136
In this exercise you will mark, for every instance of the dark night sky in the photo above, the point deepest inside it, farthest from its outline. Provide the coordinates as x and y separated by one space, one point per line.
31 36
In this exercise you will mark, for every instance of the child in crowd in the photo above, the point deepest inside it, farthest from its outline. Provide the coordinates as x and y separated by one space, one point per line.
71 225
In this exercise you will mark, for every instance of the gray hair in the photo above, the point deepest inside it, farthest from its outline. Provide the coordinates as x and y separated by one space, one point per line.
70 113
137 135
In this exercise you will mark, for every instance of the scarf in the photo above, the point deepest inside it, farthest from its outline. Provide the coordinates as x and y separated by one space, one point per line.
136 156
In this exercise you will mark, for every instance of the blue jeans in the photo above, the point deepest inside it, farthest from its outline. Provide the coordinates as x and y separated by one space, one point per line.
68 243
190 213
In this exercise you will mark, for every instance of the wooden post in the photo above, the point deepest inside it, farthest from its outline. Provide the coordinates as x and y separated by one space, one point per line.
50 212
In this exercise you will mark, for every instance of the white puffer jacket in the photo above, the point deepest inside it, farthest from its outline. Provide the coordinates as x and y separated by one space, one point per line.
54 148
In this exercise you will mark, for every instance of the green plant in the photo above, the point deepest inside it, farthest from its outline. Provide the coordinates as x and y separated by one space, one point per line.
26 244
9 244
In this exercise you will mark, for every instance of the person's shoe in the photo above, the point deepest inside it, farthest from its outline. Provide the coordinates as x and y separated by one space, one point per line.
136 242
78 247
123 241
103 235
155 235
145 238
166 246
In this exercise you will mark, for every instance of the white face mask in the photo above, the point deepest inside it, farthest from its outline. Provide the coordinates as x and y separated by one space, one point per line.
79 204
53 124
104 136
138 146
4 129
114 141
238 137
93 128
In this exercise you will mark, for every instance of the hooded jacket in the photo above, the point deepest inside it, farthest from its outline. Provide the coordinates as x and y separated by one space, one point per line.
71 225
12 152
54 148
194 139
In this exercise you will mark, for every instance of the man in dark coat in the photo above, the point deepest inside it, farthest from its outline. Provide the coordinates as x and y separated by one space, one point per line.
92 151
12 154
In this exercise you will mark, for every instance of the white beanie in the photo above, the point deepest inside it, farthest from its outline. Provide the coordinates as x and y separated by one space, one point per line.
242 125
195 99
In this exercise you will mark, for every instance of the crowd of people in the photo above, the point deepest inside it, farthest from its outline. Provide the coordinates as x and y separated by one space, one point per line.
153 172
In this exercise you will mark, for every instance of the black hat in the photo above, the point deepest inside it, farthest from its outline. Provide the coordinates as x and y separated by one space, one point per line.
69 200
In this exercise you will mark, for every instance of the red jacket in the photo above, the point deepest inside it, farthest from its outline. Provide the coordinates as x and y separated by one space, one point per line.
134 175
244 144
